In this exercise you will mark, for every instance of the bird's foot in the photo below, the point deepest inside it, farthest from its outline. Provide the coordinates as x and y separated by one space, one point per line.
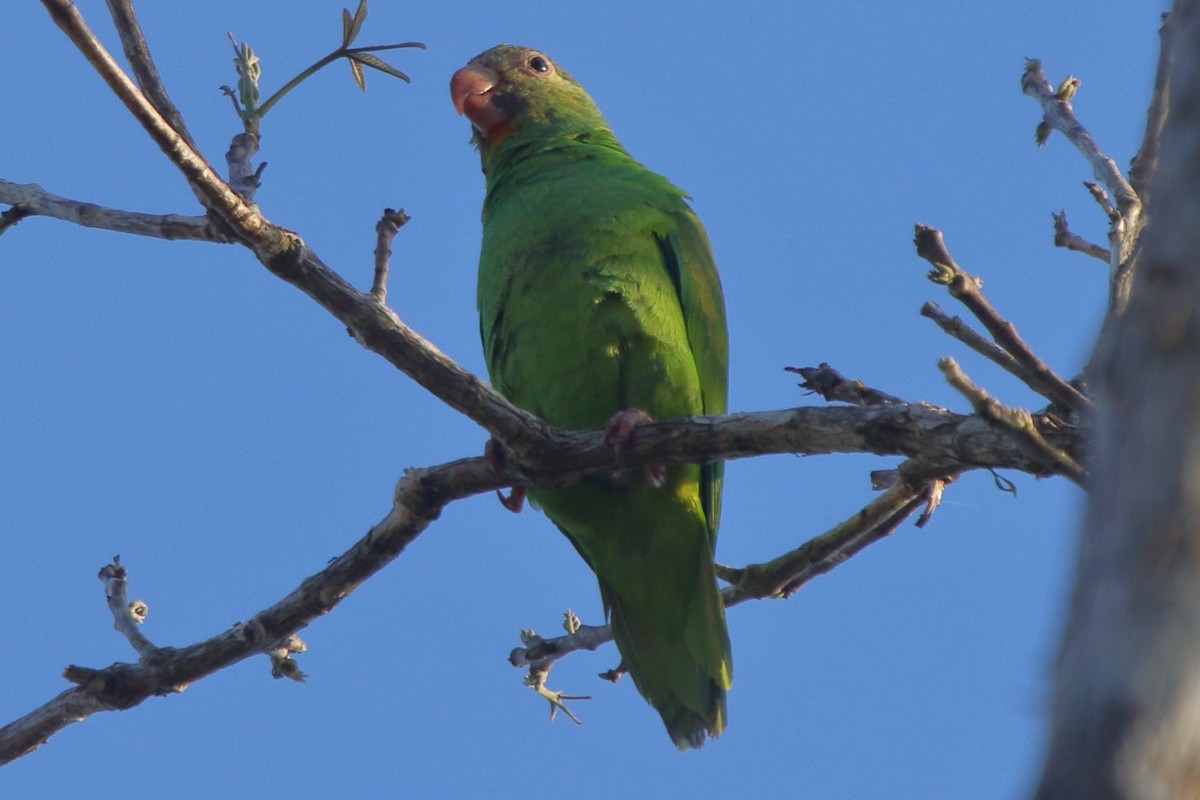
514 501
536 680
618 434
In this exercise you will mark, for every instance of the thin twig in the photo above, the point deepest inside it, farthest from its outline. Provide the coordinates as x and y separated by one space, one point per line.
1016 421
137 51
833 386
1063 237
975 340
932 247
538 652
321 63
216 193
782 576
1060 116
1126 223
126 616
1101 197
244 177
385 230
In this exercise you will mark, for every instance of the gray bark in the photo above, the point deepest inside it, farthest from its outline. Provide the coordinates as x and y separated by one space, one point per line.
1126 705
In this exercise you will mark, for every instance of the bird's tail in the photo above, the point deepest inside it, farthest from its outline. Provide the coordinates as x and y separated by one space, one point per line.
669 625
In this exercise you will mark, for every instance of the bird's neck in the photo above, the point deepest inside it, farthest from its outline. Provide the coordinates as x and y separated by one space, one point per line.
517 158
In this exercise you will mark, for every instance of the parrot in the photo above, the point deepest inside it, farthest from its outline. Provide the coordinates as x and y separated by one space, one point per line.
600 306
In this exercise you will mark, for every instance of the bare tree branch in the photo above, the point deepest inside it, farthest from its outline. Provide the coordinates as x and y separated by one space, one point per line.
965 288
938 443
288 257
217 195
375 326
126 616
385 230
1101 197
779 578
11 216
1126 224
144 70
834 386
244 177
972 339
1064 237
942 441
539 653
33 200
1017 422
1060 116
420 497
782 576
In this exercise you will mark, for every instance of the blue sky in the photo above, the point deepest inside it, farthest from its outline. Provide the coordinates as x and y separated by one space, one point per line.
176 404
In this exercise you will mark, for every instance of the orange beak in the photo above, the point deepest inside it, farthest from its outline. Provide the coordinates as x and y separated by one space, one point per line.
473 92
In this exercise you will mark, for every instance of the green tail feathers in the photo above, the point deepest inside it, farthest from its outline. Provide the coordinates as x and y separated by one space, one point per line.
682 667
652 556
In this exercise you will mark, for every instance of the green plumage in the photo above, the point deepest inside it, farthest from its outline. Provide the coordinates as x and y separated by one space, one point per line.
598 293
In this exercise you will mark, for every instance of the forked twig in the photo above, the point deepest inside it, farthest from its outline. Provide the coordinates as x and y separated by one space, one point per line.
1017 421
963 287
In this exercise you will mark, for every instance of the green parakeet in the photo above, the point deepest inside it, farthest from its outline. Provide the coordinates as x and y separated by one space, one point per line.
598 295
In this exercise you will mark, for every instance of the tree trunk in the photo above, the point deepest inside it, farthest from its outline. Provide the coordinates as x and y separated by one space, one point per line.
1126 705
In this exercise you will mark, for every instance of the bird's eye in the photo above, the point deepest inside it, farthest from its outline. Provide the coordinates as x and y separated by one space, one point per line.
539 64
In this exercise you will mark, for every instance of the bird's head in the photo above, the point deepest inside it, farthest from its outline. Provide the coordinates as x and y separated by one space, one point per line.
518 92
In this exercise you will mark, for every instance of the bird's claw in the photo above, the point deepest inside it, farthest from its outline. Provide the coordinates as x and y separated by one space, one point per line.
514 501
618 434
656 475
493 451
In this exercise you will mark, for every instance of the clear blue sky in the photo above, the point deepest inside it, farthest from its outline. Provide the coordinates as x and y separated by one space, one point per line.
176 404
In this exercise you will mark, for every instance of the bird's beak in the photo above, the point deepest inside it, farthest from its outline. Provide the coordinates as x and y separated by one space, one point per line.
473 92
